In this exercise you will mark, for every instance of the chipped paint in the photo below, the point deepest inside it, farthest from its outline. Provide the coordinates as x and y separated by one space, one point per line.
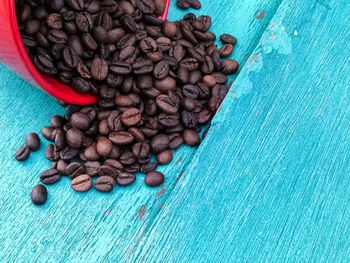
141 212
277 39
160 207
295 33
179 160
178 178
65 231
84 241
47 220
107 212
161 192
261 15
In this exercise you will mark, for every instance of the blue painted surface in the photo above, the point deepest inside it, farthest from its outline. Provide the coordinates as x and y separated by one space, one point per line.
270 183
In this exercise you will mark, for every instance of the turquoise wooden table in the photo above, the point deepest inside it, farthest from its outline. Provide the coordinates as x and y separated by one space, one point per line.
269 184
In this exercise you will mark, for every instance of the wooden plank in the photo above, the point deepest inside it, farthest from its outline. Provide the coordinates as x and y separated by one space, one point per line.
90 227
271 181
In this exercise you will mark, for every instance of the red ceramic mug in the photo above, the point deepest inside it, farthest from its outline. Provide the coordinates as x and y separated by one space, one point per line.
14 56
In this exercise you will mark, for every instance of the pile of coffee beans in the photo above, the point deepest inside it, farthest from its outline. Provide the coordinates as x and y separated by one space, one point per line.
157 83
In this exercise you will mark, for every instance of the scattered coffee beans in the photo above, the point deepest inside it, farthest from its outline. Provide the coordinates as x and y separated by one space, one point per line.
157 83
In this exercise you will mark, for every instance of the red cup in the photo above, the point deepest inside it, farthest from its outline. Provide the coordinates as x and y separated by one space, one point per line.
14 56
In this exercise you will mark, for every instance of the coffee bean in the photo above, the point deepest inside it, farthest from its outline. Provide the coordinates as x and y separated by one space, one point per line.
154 179
76 139
166 104
107 171
146 6
84 21
104 147
92 168
183 4
82 183
59 139
159 7
39 194
76 5
137 133
125 179
228 39
169 29
57 121
214 103
191 137
75 169
160 143
226 50
105 184
33 141
176 140
203 116
22 153
121 137
165 85
209 81
61 166
52 152
164 157
50 176
229 66
99 69
195 4
127 158
131 117
68 153
115 164
141 149
168 120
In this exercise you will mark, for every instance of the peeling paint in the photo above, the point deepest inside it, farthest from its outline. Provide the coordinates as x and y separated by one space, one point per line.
261 15
107 212
84 241
141 212
178 178
160 207
277 39
161 192
179 160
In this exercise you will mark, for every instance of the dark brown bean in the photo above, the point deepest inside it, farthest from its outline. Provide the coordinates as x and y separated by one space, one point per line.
82 183
154 179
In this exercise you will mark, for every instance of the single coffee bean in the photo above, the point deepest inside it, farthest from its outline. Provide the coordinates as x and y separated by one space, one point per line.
165 85
50 176
131 117
68 153
214 103
161 70
183 4
137 133
75 137
59 139
141 149
176 140
164 157
39 194
92 168
159 7
160 143
229 66
33 141
167 104
191 137
121 138
104 147
108 6
169 29
204 116
168 120
228 39
22 153
82 183
105 184
154 179
84 22
61 166
125 179
107 171
52 152
209 81
99 69
115 152
54 21
127 158
57 121
75 169
226 50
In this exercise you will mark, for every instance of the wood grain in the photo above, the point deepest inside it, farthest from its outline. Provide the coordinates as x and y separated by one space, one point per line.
92 227
271 181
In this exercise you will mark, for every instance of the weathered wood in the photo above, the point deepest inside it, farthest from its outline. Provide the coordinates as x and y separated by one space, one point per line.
91 227
271 181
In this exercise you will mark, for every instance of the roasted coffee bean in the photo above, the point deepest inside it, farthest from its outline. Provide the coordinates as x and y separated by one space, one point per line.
208 65
75 169
167 120
161 70
190 91
204 116
105 184
191 137
137 133
77 139
142 66
214 103
61 166
146 6
68 153
104 147
107 171
84 21
108 6
125 179
54 21
166 104
226 50
59 139
114 121
115 164
76 5
81 85
154 179
121 137
141 149
209 81
189 119
99 69
228 39
183 4
163 44
165 85
169 29
82 183
44 63
22 153
52 152
229 66
176 140
148 45
164 157
57 121
131 117
92 168
33 141
160 143
220 78
120 67
195 4
149 167
127 158
80 121
39 194
50 176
